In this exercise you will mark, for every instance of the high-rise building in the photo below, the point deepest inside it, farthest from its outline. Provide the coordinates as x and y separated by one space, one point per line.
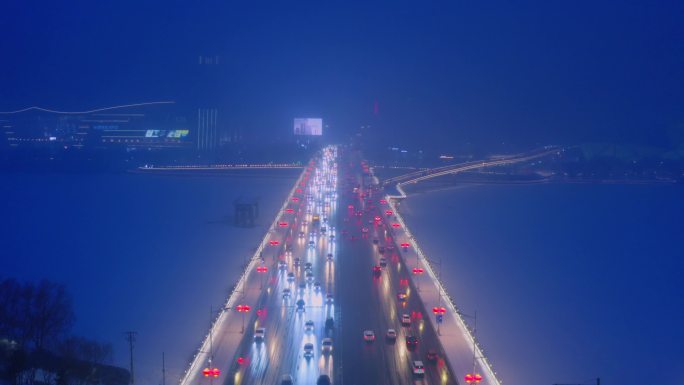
207 132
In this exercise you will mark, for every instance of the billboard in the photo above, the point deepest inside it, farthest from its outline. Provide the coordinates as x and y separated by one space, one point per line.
308 126
176 134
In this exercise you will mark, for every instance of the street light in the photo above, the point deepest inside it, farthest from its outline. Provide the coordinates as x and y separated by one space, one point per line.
469 378
213 372
261 270
439 316
418 271
243 309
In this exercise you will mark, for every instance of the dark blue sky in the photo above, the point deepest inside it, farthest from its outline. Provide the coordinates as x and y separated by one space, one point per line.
523 71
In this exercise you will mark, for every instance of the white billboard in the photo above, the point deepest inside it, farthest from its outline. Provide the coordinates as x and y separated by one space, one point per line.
308 126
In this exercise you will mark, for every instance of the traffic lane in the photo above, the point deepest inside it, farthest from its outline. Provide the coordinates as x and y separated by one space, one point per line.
364 308
436 371
257 364
362 363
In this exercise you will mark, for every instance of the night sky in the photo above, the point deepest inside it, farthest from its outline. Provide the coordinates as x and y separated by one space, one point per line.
493 71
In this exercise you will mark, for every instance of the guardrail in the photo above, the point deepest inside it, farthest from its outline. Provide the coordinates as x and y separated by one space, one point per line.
238 288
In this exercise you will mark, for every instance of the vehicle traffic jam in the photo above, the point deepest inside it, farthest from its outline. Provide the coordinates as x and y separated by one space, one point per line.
295 336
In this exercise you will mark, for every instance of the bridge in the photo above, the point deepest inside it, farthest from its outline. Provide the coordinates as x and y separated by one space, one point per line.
340 289
422 175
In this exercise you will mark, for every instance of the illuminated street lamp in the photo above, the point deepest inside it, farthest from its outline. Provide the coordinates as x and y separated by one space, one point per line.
211 372
244 309
261 270
418 271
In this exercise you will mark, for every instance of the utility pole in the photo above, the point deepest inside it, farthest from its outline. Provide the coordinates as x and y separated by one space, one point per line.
163 370
211 334
130 336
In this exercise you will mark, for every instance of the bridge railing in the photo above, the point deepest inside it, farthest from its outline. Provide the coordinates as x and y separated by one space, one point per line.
201 354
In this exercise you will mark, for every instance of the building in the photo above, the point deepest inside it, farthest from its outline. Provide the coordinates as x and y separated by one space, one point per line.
152 125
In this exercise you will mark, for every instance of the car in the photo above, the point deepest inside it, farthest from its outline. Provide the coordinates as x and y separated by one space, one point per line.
383 262
301 234
259 334
302 286
323 379
286 292
377 270
375 241
312 244
329 323
282 265
411 342
364 230
331 237
286 379
381 249
401 296
309 277
309 325
297 261
417 368
317 286
300 304
329 256
308 350
290 276
323 230
432 355
329 298
405 320
308 266
391 334
326 345
369 335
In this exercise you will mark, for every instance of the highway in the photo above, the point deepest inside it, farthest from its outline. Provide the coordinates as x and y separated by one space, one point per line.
333 248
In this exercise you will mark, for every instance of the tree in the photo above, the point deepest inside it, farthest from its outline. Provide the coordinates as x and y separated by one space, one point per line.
51 314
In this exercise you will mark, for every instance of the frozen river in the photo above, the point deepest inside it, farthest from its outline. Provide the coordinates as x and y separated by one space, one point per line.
146 253
569 282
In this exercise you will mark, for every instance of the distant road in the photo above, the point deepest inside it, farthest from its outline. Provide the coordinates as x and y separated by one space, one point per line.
418 176
220 167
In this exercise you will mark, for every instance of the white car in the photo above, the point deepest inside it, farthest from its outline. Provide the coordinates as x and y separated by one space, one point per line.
369 336
309 325
418 368
308 350
391 334
406 320
326 345
259 334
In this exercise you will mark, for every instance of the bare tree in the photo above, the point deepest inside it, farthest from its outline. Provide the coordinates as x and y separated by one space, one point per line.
51 314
